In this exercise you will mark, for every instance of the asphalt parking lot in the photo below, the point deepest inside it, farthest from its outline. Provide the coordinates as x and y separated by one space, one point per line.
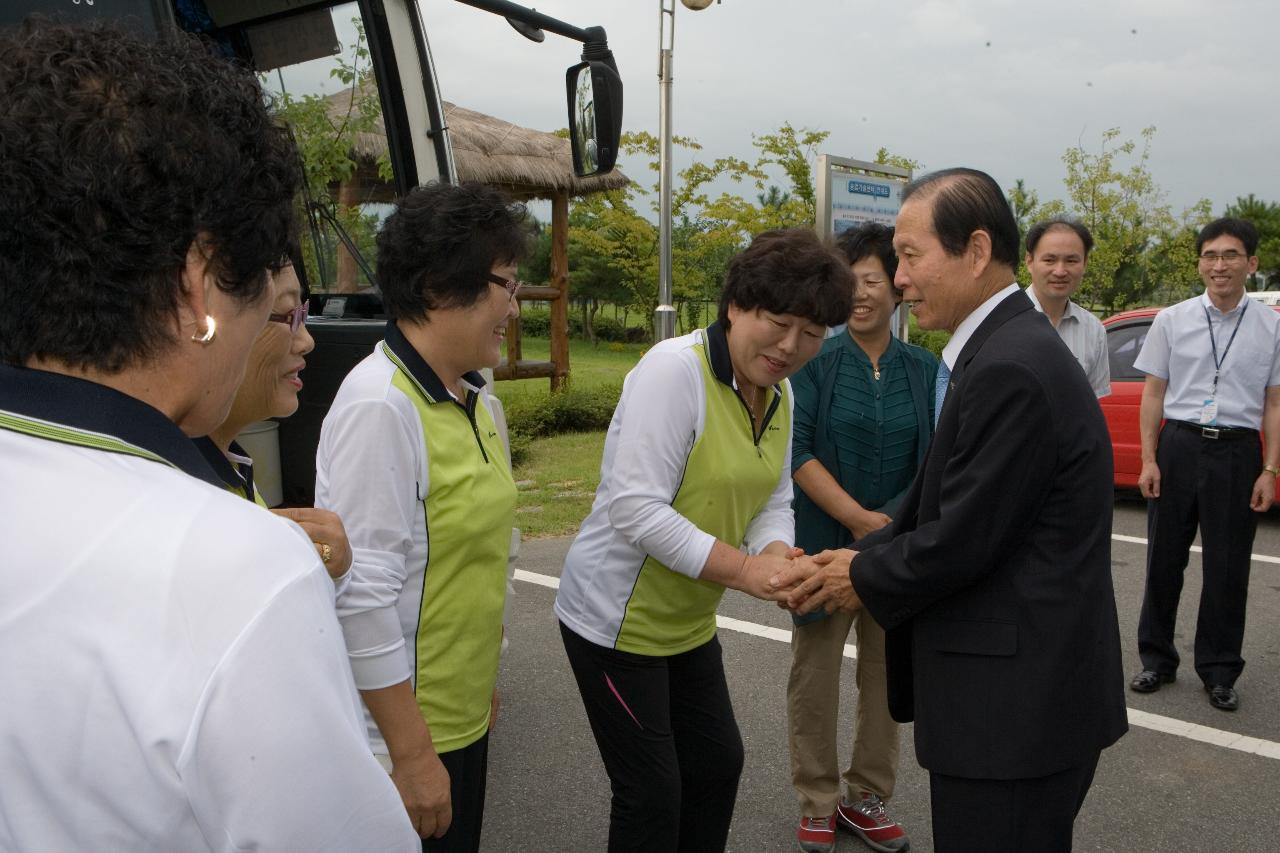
1186 777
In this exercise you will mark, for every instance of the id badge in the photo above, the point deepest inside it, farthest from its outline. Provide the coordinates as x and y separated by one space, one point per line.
1209 414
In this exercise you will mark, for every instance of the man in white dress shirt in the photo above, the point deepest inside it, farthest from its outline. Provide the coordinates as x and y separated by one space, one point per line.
1213 377
1057 257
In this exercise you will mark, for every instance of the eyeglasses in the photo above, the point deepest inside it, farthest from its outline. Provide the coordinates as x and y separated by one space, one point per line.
1230 256
512 286
295 318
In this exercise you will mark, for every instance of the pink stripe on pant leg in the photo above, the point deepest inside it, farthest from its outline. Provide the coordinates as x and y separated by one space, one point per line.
621 701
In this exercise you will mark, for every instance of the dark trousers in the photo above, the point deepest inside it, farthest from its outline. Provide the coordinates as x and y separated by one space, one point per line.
1008 815
467 771
670 743
1209 483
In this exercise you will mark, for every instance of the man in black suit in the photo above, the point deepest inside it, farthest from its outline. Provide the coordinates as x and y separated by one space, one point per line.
994 580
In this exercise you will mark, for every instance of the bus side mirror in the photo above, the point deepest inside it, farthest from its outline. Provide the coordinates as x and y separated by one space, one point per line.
595 116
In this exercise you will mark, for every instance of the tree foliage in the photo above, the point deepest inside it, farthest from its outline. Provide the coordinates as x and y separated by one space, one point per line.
1266 216
1142 250
326 140
614 245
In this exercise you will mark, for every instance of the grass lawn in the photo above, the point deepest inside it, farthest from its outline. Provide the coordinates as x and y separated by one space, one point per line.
589 366
557 483
558 479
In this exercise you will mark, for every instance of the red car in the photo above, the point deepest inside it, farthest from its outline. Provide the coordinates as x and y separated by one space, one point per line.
1126 333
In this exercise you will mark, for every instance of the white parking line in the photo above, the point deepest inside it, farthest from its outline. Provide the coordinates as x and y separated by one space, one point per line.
1142 719
1138 540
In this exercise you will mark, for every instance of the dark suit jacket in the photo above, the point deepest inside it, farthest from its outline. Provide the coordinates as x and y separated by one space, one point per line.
994 581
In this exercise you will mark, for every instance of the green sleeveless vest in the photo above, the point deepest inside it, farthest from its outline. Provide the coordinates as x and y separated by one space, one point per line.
469 510
728 479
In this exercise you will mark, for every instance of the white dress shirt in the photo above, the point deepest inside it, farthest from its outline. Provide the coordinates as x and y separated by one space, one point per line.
1178 349
1086 337
174 674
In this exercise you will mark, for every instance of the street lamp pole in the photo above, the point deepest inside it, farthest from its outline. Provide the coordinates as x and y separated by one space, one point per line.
664 318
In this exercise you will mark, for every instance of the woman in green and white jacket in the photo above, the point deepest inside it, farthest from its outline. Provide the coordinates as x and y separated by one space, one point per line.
694 498
410 459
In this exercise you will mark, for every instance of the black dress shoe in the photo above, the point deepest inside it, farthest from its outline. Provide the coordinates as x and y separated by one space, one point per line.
1222 697
1149 681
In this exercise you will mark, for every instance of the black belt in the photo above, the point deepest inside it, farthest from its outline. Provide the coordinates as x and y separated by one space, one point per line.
1215 432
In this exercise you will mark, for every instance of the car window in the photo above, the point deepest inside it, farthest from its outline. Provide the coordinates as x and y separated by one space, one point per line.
1123 345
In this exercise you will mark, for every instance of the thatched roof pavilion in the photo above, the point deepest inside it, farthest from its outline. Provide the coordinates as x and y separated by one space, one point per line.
526 163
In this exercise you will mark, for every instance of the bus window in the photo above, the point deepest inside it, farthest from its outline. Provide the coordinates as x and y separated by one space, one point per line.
317 70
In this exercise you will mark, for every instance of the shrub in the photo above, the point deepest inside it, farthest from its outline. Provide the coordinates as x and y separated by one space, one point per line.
535 324
933 340
570 410
613 331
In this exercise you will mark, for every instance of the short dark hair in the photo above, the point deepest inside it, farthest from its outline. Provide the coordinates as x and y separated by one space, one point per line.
789 271
1242 229
441 242
965 201
119 151
1035 232
867 240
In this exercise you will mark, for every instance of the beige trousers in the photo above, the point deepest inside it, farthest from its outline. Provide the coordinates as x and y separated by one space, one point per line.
813 702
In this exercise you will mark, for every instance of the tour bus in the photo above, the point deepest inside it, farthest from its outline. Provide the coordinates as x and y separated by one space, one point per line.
378 52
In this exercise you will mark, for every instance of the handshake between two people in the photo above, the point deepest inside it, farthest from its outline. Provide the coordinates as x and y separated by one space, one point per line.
802 583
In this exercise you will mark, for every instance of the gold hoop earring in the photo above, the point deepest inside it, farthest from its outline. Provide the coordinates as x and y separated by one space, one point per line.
211 329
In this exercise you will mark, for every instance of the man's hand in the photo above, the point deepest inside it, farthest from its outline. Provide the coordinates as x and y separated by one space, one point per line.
868 522
423 784
1149 480
324 528
819 581
1264 492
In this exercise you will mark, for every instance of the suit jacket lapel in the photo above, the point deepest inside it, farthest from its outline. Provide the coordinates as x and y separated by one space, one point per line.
1012 305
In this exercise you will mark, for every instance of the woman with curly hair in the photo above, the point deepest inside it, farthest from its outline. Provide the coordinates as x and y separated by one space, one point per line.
411 460
173 677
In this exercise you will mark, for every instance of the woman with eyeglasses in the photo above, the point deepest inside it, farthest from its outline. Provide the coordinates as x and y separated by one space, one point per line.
410 458
270 390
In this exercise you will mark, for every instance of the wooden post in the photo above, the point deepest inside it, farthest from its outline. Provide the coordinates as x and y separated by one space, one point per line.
560 281
514 353
348 275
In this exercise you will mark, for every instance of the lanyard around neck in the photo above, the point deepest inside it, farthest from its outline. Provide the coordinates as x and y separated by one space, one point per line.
1218 362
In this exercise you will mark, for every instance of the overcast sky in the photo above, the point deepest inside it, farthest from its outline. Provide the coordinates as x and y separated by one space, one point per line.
1001 85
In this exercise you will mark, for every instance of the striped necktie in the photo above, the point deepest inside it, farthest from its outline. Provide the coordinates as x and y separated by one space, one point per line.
940 389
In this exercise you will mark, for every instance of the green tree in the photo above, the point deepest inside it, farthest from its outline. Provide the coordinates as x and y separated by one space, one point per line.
1140 246
774 198
887 158
1265 215
326 132
610 227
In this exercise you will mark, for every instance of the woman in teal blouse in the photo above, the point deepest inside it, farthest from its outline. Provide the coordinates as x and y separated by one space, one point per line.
863 420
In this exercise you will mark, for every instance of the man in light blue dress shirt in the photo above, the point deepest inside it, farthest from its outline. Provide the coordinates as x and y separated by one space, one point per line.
1213 377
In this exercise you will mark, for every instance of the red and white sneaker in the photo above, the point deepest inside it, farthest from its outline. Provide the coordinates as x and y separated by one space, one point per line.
817 834
866 816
